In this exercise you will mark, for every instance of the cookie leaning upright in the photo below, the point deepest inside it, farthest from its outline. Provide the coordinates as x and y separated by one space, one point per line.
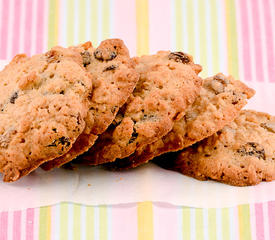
114 79
220 100
168 84
43 100
241 154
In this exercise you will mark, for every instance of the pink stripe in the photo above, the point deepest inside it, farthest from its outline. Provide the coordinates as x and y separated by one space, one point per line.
269 40
271 215
16 28
259 221
257 41
29 224
245 39
125 22
4 29
40 27
28 28
160 25
166 215
16 225
4 225
124 221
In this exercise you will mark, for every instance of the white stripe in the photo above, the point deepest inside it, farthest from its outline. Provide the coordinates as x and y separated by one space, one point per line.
36 224
222 37
184 28
99 22
240 41
45 34
192 223
234 223
263 41
70 221
111 18
180 222
219 223
96 222
22 27
205 223
33 27
10 29
88 21
76 22
252 221
56 227
266 221
196 31
23 224
10 225
109 222
251 39
62 27
83 222
208 45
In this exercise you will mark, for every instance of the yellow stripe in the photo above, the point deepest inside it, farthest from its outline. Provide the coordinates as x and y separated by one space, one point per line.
45 223
214 35
142 16
203 40
212 224
244 222
70 23
186 223
90 223
225 224
53 23
77 222
105 19
103 223
179 31
94 22
64 221
145 221
82 21
199 223
233 67
190 27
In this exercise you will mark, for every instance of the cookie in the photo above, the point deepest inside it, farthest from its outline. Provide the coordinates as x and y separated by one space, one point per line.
44 101
114 79
168 84
220 101
241 154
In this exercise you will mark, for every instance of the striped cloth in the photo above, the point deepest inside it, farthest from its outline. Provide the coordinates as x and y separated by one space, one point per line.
230 36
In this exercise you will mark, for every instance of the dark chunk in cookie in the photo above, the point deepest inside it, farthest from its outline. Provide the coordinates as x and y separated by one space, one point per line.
109 68
133 137
63 141
13 97
179 57
252 149
86 58
104 55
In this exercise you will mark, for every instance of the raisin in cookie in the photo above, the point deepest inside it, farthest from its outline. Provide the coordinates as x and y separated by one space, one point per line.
114 79
241 154
220 101
168 84
44 101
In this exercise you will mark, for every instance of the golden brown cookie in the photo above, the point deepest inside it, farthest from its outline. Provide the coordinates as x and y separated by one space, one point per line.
43 103
241 154
220 101
114 79
168 84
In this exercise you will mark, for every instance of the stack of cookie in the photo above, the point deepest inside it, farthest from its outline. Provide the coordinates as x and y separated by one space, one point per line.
99 106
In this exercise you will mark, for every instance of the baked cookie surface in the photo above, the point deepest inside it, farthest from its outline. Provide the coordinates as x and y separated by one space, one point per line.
220 100
241 154
168 83
44 100
114 79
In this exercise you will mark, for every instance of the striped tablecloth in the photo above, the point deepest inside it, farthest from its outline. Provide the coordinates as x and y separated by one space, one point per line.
235 37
